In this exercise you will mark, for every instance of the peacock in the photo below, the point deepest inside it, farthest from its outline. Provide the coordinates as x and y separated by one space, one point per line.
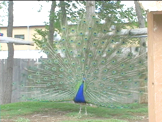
92 63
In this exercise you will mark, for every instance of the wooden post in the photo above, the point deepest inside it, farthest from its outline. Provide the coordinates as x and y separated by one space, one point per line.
155 66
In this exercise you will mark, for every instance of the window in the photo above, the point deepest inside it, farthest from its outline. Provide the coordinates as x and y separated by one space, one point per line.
19 36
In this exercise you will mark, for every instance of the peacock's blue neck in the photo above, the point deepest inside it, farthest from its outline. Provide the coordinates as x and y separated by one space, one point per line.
79 98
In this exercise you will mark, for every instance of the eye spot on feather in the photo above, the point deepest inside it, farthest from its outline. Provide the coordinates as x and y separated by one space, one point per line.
56 61
123 42
120 82
71 40
84 48
104 78
61 69
56 50
113 61
114 72
140 62
69 70
54 68
73 64
90 55
103 61
30 76
79 55
63 49
94 63
72 30
90 28
37 73
48 84
104 31
85 39
45 78
83 60
81 33
118 52
60 75
102 42
122 65
108 50
95 33
65 61
86 67
105 70
71 52
94 44
112 40
53 77
112 80
109 87
63 28
123 73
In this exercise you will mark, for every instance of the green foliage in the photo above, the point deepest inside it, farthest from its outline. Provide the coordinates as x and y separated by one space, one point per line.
3 4
110 11
71 8
114 9
40 37
3 8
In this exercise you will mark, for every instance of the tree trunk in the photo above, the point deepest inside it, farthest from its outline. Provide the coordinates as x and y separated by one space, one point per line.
141 21
63 13
7 83
90 11
51 23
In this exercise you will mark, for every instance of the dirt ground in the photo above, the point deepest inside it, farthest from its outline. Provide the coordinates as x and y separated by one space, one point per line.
59 116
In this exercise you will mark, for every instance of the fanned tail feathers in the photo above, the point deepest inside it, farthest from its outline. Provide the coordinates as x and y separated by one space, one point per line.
111 71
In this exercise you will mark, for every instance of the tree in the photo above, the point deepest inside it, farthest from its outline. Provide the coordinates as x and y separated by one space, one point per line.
66 10
90 11
51 22
141 22
7 83
63 13
105 10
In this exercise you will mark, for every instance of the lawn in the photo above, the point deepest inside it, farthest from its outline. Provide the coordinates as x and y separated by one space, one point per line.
68 112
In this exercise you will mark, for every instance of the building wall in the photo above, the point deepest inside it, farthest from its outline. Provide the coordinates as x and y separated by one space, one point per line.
28 33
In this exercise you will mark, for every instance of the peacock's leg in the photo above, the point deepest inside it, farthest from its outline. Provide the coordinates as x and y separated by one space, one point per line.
80 109
86 111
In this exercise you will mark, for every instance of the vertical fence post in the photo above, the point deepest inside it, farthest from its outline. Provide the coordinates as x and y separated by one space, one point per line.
155 66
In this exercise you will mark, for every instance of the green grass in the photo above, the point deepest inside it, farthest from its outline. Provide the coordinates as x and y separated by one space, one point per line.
24 108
